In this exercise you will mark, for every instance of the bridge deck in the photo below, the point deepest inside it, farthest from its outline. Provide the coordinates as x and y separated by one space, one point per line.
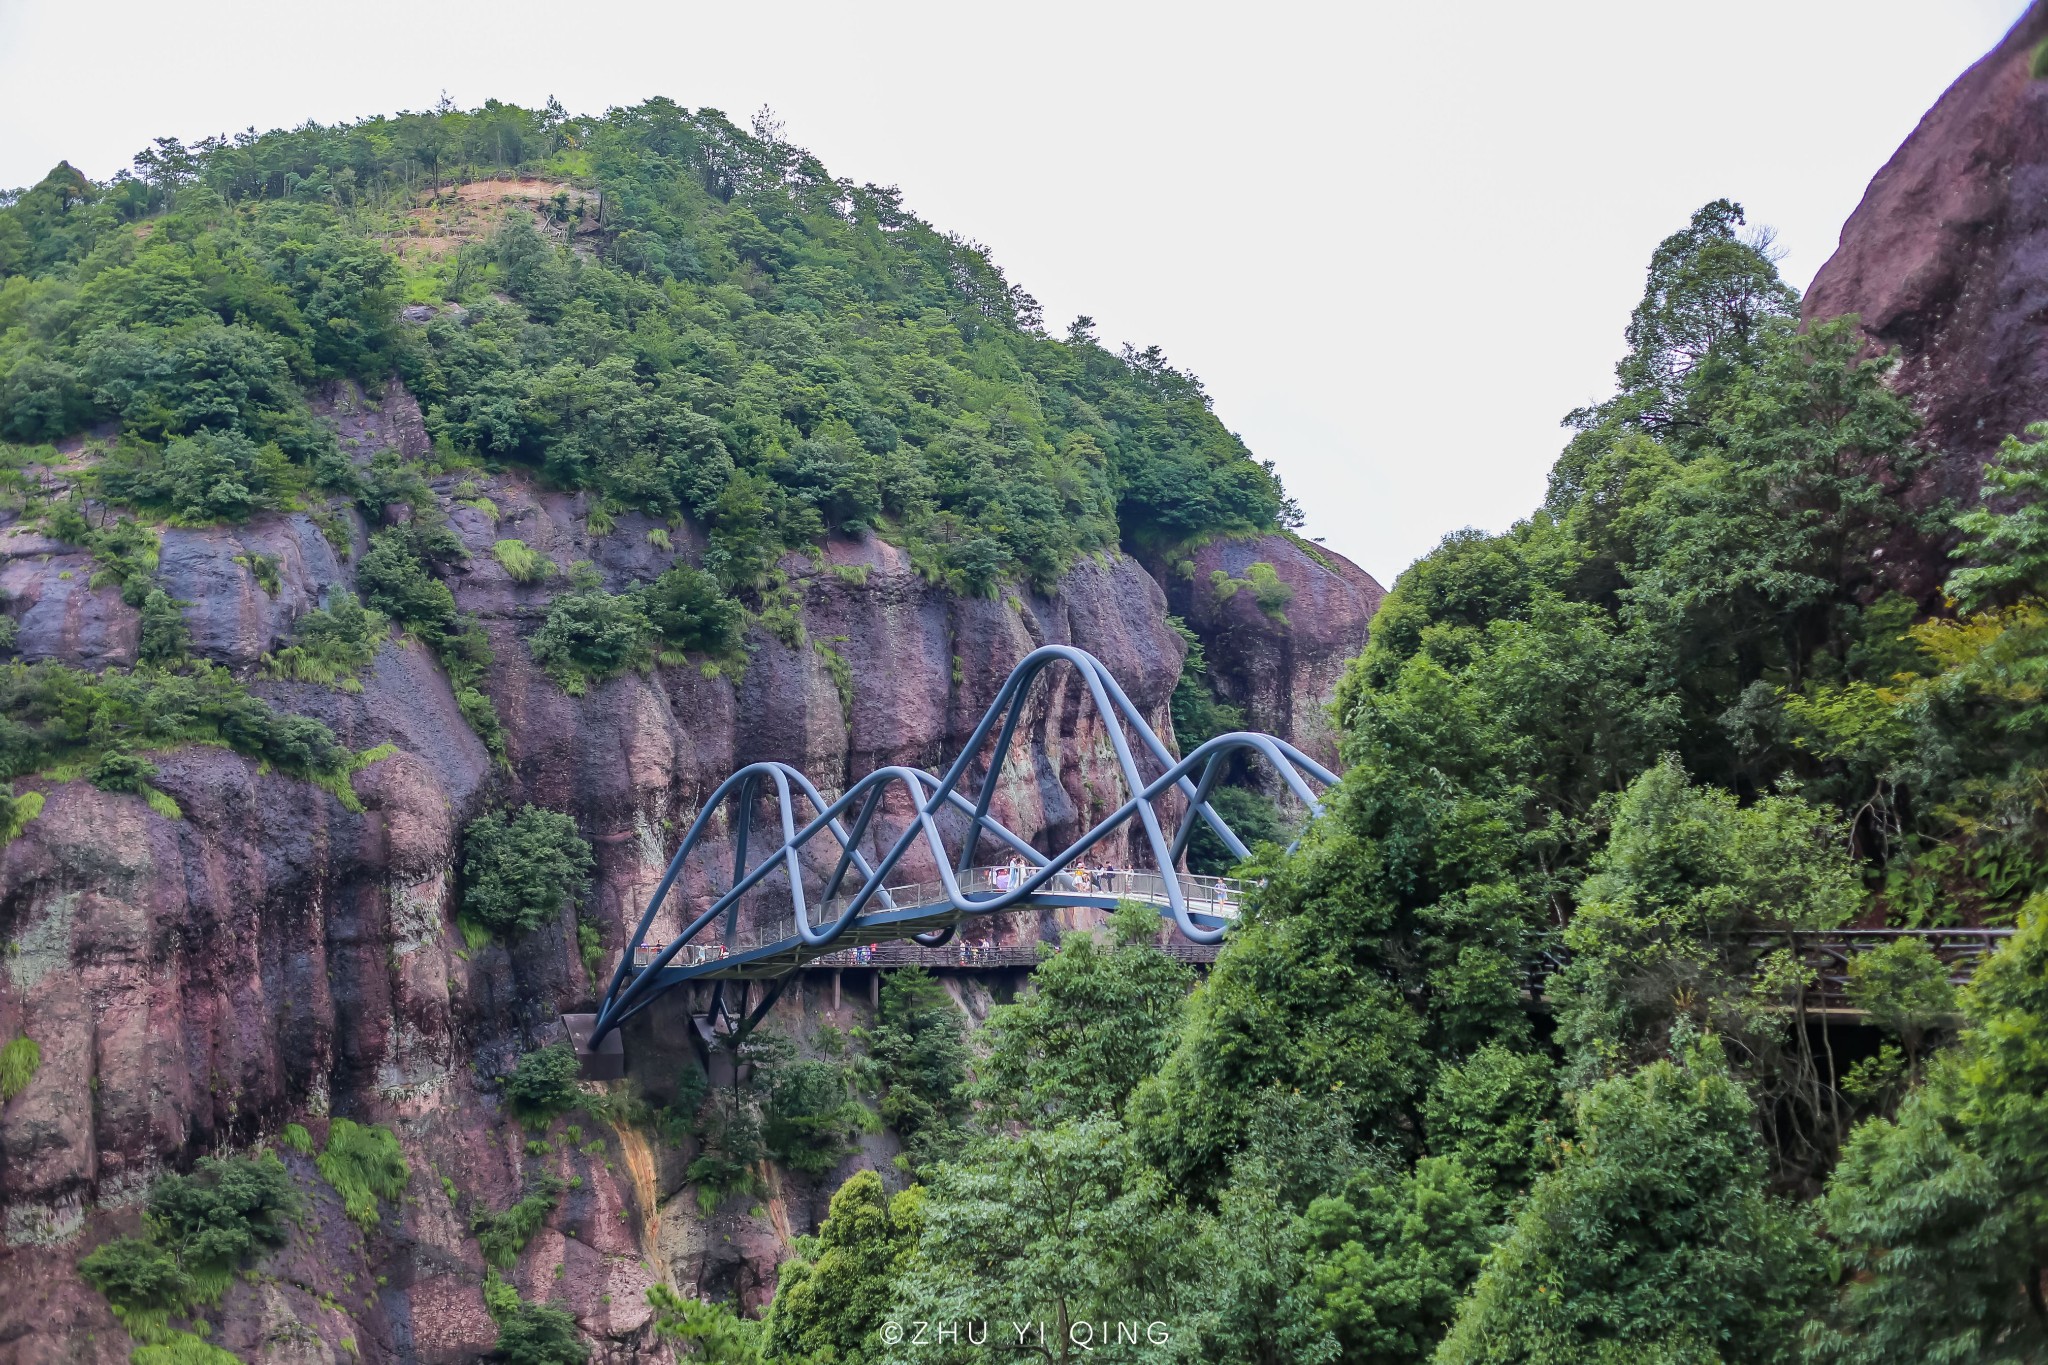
921 908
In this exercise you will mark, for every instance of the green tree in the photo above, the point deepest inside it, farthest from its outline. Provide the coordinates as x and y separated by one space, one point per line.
1493 1113
1093 1022
832 1295
689 611
710 1332
589 636
810 1118
1686 870
2005 541
164 637
920 1055
1652 1237
1709 297
519 870
1392 1252
1904 989
1062 1226
136 1276
1298 999
540 1334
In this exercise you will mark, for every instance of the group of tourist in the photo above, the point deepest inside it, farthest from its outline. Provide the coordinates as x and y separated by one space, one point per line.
1105 879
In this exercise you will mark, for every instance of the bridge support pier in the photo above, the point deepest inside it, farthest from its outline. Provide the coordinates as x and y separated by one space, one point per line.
835 990
605 1062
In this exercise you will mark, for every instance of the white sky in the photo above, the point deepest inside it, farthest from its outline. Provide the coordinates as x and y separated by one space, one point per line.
1398 241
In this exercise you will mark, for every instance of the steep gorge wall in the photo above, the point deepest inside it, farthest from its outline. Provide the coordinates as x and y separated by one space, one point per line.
273 956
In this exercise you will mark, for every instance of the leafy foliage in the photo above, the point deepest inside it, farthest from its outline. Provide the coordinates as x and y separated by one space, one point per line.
331 644
689 612
1093 1023
51 715
137 1275
502 1236
774 352
544 1081
811 1116
921 1058
1393 1252
1058 1225
1652 1238
710 1332
590 636
225 1212
832 1295
520 869
540 1334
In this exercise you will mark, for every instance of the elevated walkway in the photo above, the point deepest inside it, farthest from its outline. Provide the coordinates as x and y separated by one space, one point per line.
860 904
1212 902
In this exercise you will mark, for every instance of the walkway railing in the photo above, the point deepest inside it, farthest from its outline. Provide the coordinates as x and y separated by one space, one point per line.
1219 898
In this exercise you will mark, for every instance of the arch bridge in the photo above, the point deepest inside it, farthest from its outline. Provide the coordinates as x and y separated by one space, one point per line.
865 901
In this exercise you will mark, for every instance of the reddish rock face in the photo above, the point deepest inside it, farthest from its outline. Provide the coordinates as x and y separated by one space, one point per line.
273 957
1946 259
1280 659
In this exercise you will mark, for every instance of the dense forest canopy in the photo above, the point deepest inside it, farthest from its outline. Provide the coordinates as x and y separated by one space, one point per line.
697 321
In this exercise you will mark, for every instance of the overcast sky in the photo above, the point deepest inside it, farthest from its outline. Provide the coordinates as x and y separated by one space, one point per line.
1397 241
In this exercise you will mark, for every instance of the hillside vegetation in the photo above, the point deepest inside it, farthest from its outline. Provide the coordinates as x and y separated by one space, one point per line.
698 321
1683 703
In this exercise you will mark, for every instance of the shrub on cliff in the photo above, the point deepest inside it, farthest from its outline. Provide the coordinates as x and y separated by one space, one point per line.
502 1236
228 1210
711 1332
395 580
164 637
331 644
136 1276
519 870
811 1117
590 636
52 715
544 1082
690 612
920 1056
540 1334
208 476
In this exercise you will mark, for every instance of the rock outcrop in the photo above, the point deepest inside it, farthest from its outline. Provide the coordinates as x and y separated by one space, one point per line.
275 955
1946 259
1280 659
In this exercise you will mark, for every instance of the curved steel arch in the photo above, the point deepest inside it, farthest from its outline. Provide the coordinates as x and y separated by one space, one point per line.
1194 776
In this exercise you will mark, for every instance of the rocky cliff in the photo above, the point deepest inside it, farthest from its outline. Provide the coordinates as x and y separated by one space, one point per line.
1946 259
274 956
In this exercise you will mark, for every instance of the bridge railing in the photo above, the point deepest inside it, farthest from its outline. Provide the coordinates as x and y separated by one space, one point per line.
1218 897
